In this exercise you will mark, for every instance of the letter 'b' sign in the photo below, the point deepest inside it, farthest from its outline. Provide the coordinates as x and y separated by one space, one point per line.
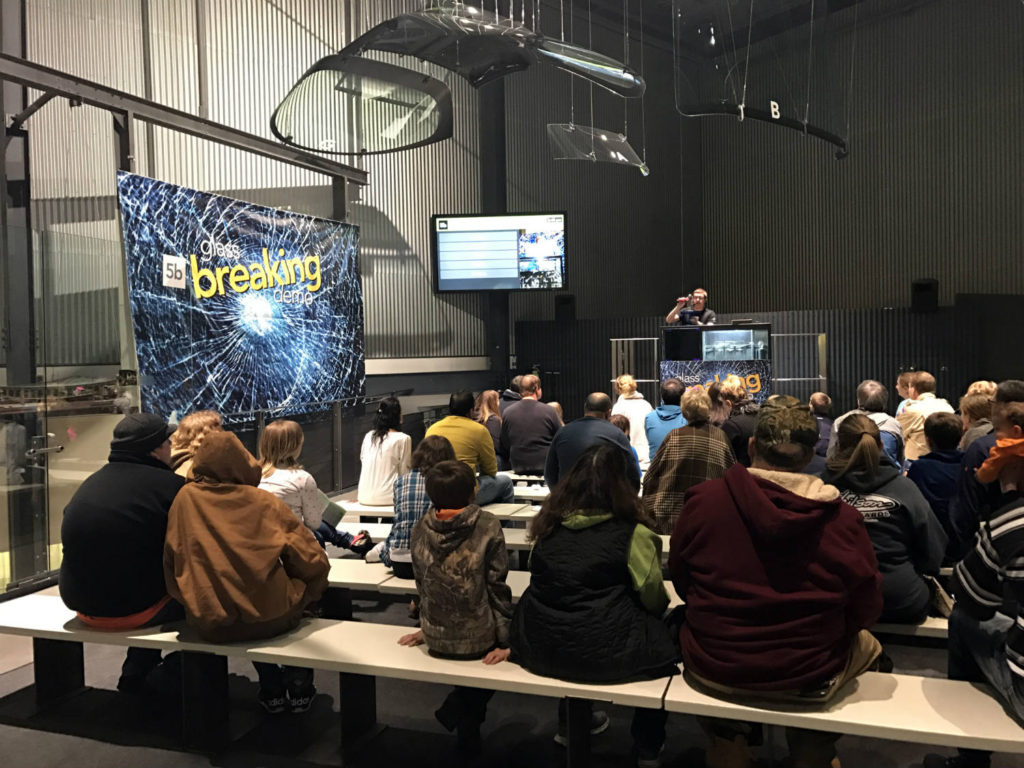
173 271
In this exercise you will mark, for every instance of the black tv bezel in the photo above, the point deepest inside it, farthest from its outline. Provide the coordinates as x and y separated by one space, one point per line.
433 251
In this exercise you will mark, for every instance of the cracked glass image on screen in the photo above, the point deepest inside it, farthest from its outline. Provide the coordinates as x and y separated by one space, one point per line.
510 252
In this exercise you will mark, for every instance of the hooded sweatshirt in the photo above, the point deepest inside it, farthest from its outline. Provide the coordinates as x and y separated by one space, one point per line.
907 537
659 423
507 398
236 557
460 565
778 575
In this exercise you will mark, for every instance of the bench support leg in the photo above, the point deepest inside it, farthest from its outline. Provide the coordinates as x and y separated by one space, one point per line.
358 694
59 669
336 604
204 700
578 718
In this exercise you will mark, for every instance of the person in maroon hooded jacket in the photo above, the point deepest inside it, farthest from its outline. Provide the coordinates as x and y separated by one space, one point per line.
780 582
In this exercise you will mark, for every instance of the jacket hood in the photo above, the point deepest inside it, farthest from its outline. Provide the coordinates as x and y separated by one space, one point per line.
668 412
586 518
223 459
781 505
863 482
447 535
508 394
180 455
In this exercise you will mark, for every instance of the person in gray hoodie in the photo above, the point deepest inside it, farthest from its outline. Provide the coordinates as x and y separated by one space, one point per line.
460 563
665 417
908 538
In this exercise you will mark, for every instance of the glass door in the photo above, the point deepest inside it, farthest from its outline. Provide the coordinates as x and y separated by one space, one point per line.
61 395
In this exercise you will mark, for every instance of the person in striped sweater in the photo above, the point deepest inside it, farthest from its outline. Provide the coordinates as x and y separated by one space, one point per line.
985 644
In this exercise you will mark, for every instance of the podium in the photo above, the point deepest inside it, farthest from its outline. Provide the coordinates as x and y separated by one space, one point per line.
704 354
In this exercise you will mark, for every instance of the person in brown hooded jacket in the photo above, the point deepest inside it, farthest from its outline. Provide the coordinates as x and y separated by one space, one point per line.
231 589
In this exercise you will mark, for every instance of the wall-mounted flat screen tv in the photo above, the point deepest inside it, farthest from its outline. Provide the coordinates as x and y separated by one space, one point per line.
510 252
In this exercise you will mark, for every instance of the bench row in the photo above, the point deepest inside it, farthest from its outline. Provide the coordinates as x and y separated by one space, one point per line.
354 574
887 706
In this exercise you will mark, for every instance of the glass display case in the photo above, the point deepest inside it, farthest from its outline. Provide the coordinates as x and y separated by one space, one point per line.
725 343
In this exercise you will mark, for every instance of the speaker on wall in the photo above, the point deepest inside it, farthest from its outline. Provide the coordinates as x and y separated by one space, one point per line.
565 307
924 295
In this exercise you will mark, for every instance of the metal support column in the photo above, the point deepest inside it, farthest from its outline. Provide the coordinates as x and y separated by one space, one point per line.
494 199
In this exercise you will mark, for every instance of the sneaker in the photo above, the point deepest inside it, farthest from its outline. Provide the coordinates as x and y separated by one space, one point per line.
301 701
648 758
361 543
274 702
599 723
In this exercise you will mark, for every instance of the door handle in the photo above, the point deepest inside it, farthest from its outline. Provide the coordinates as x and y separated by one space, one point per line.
31 453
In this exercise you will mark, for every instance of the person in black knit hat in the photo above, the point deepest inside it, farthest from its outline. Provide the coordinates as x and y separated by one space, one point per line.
113 537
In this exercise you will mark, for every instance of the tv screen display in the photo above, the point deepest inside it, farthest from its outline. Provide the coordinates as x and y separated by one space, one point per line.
510 252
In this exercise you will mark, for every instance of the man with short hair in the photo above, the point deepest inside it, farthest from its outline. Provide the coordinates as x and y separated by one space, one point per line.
698 311
975 501
821 406
527 429
923 404
872 400
576 436
766 554
936 473
113 539
473 445
666 417
510 395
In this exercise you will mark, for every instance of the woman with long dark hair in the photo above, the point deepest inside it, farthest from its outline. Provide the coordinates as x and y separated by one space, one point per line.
908 539
385 455
593 610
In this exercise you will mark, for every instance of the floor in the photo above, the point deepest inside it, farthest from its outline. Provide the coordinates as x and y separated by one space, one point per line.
99 728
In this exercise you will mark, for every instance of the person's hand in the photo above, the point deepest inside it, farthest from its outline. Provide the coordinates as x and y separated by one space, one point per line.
682 300
416 638
496 656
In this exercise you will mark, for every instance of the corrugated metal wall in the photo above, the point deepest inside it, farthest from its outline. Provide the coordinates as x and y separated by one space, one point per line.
404 318
575 358
623 237
931 188
232 62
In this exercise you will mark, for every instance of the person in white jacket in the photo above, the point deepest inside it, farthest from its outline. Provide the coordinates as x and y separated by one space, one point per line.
923 403
386 455
634 407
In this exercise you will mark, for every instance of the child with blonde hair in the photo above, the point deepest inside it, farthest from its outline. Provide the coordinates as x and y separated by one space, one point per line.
283 476
189 436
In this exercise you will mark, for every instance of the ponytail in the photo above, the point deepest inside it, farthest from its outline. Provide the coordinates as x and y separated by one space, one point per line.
388 417
860 446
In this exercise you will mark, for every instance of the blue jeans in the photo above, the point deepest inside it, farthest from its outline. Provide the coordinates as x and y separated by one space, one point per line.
494 489
977 654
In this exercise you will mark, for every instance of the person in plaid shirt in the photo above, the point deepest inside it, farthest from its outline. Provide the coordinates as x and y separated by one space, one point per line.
688 455
411 503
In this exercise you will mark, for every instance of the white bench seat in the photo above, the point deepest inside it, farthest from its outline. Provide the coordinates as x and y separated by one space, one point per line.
531 492
930 627
921 710
345 647
899 707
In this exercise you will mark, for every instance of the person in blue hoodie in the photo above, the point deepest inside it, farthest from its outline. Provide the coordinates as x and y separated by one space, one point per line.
936 473
665 417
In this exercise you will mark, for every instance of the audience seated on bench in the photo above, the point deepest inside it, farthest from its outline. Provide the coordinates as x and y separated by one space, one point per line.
460 563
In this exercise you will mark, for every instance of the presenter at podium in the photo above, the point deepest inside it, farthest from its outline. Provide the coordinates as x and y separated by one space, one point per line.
692 310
